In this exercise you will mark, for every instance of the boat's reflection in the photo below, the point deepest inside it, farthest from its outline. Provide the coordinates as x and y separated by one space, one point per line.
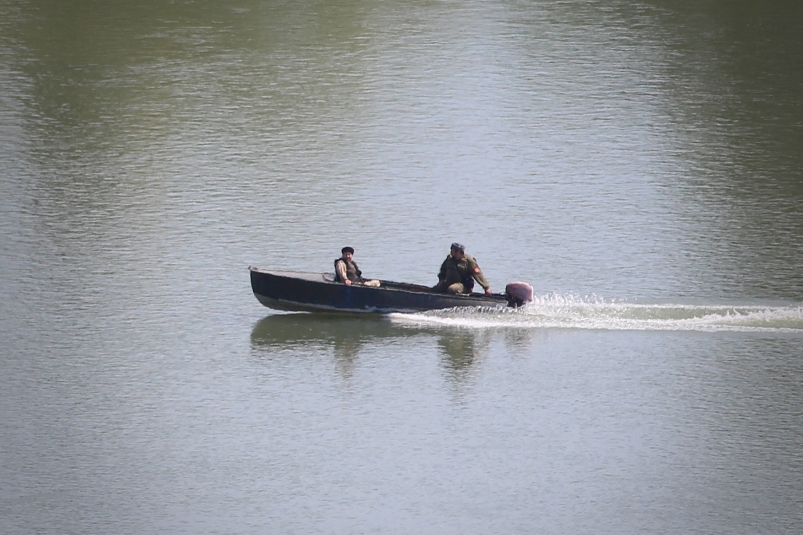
460 351
348 334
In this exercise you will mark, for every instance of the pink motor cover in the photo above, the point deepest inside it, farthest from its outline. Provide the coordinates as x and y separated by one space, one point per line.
520 291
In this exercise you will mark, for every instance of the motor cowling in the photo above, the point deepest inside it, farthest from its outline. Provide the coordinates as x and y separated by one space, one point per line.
518 293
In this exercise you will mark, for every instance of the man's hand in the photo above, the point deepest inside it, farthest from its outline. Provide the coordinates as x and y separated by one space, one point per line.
348 282
488 290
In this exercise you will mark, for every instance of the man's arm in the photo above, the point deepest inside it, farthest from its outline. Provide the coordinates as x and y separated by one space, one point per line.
442 272
476 272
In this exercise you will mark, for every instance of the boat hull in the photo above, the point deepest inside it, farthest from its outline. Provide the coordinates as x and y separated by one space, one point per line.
296 291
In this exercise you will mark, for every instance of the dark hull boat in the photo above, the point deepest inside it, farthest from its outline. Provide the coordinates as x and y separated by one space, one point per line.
290 290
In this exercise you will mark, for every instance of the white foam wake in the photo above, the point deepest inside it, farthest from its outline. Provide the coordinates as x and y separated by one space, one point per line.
570 312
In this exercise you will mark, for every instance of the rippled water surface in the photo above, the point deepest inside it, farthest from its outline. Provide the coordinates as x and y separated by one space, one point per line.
639 163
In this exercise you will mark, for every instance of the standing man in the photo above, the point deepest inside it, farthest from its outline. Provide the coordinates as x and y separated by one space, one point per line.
459 271
347 271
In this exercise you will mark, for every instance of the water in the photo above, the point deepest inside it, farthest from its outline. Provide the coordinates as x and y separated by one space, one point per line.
574 313
639 164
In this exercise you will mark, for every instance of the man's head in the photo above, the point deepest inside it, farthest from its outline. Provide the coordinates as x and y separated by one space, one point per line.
347 252
458 250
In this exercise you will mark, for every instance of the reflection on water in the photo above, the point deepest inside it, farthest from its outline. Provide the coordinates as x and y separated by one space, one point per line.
459 350
344 332
348 335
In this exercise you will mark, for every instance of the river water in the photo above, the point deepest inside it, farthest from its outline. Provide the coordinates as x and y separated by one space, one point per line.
639 163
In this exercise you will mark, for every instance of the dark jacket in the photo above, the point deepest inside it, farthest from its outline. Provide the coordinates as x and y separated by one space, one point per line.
464 270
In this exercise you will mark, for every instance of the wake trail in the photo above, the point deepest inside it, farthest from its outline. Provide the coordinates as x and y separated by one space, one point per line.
555 311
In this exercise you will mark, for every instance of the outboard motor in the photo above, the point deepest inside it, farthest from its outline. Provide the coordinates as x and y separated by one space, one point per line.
518 293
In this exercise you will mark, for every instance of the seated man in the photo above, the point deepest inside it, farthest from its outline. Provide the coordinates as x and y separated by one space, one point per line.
347 271
458 272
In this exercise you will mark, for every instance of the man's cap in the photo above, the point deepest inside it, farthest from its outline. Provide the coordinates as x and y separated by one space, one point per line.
458 247
347 249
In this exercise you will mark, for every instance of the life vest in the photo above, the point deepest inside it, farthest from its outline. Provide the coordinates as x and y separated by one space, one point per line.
353 272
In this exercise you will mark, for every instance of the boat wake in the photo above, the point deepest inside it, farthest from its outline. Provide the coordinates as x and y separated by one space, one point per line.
555 311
